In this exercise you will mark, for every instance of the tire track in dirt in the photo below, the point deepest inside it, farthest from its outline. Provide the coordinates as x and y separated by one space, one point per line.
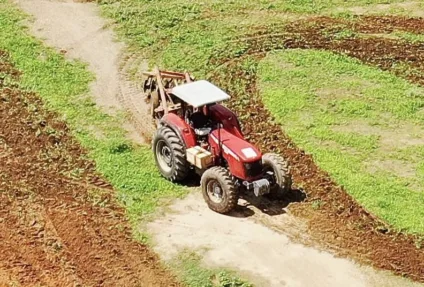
6 280
35 239
132 97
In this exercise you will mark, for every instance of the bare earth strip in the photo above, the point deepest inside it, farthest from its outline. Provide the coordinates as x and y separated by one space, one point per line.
256 241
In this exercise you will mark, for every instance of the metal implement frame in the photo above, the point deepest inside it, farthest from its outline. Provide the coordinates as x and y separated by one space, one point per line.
165 97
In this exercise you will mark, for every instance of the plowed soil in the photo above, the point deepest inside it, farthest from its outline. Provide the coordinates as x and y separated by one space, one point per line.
60 224
341 224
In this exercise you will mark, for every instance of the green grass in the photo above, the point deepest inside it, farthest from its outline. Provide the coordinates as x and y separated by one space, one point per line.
61 83
397 35
185 35
359 124
409 37
319 6
191 272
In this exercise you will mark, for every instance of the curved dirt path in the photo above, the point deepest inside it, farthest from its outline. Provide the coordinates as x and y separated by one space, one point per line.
259 239
77 30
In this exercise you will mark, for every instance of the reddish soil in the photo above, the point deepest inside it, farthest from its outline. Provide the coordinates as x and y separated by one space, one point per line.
341 223
388 24
60 224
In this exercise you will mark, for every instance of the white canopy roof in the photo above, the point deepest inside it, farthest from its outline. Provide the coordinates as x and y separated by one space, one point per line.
199 93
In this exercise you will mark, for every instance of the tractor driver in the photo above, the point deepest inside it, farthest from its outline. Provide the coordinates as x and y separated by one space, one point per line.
200 118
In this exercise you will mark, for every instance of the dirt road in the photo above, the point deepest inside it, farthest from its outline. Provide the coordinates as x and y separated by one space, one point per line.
259 242
261 246
77 30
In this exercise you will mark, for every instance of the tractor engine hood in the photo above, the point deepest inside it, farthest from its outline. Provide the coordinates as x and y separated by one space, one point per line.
234 146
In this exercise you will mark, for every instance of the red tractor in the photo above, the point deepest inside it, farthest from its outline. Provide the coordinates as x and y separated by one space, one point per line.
197 134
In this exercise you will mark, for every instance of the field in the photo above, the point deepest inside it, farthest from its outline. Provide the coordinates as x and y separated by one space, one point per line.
48 188
334 86
74 184
178 38
368 181
362 125
63 86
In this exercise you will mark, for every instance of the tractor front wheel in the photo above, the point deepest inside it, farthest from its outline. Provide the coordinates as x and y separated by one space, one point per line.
219 190
170 155
281 177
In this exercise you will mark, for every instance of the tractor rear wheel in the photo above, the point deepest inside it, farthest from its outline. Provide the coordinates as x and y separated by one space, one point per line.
280 170
219 190
170 155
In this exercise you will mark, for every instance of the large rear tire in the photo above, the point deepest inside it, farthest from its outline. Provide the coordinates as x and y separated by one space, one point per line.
282 180
170 155
219 190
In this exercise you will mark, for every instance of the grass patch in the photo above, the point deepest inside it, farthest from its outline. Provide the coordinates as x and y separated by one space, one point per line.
409 37
362 125
397 35
399 8
185 35
320 6
60 83
191 272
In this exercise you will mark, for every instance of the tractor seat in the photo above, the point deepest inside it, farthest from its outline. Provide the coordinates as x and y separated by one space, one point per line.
202 131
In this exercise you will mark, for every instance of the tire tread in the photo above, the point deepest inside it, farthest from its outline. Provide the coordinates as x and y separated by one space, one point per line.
283 166
181 169
229 187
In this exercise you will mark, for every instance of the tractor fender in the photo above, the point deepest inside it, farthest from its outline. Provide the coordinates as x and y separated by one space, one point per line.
181 128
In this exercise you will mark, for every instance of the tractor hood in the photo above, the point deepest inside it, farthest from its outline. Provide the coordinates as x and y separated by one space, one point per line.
232 145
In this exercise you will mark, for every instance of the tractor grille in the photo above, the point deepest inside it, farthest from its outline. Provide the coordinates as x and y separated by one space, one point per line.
253 169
